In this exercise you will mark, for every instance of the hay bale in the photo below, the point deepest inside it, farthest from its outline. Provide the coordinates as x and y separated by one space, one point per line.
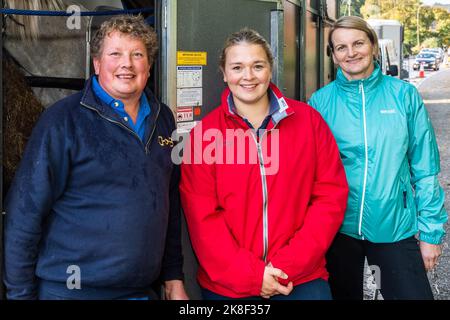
21 110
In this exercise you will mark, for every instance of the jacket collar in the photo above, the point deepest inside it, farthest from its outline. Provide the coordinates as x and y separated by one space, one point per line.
91 101
280 110
369 83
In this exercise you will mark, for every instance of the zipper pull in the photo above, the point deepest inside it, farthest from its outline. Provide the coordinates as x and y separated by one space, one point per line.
258 146
360 87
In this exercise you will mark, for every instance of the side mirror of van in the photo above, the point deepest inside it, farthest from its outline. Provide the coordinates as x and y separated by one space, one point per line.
393 70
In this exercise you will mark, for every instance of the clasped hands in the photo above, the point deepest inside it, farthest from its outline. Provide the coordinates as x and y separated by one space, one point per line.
271 286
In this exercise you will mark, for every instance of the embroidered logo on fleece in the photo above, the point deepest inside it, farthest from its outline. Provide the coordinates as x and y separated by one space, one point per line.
387 111
164 142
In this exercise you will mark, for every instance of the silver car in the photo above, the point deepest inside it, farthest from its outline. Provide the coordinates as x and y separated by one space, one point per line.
429 60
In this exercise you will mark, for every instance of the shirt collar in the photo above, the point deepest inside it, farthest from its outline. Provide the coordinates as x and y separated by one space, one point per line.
144 106
104 96
273 103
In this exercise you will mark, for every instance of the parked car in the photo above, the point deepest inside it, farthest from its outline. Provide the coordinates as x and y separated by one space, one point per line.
437 51
428 59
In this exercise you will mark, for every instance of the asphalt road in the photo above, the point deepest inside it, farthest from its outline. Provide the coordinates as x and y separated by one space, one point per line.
435 91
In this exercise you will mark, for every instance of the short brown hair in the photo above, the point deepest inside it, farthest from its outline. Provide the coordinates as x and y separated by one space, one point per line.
354 22
249 36
134 26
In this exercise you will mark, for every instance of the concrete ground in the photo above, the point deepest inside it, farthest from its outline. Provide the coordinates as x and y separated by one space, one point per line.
436 94
435 91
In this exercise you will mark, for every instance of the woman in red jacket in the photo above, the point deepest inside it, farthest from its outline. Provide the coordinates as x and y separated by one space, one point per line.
263 188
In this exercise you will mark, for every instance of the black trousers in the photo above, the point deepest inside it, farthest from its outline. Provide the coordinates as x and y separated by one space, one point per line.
397 267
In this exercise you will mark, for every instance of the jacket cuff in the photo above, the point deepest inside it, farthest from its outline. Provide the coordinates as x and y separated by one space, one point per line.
172 273
430 239
258 277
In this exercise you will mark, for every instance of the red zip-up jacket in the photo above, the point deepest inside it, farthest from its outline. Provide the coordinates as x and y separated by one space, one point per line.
250 200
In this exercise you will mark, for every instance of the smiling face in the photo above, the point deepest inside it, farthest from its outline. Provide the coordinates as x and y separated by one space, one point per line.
353 52
247 72
123 66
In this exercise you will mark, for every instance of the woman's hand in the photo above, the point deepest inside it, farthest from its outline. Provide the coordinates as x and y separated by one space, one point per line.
430 254
271 286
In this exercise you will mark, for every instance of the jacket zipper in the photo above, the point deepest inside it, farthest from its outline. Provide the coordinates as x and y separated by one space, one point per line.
124 126
366 161
262 170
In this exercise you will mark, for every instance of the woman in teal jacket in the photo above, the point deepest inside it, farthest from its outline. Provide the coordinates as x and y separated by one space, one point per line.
391 159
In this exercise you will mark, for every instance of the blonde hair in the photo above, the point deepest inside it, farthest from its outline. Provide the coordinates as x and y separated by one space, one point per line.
354 22
134 26
248 36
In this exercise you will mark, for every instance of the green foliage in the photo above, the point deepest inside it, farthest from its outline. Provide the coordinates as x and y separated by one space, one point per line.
442 26
355 7
433 22
430 43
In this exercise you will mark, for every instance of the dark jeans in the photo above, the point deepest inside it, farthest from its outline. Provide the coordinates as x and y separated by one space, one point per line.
397 267
314 290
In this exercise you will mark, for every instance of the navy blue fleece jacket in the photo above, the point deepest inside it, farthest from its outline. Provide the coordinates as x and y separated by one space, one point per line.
89 193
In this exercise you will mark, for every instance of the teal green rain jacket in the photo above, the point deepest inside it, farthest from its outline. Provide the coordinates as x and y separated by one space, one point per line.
388 147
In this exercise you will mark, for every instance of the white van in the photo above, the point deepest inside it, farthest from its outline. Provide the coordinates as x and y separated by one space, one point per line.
388 57
393 30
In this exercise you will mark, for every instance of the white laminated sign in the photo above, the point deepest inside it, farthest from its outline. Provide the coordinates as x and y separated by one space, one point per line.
185 114
185 127
189 97
189 76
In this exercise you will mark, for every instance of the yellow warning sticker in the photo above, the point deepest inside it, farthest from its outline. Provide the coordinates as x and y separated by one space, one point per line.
191 58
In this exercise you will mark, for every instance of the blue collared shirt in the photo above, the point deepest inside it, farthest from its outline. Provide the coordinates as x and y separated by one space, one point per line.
273 107
119 108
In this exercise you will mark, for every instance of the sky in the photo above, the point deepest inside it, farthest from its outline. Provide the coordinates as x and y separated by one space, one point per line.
430 2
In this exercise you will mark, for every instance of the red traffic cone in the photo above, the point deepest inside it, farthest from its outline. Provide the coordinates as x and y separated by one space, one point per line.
422 71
